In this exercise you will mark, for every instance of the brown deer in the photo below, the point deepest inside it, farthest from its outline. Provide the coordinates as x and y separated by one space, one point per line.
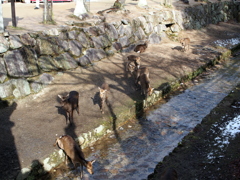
142 75
73 151
103 93
185 42
133 62
69 103
169 174
141 47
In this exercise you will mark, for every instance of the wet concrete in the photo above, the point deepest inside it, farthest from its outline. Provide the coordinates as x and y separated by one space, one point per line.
136 148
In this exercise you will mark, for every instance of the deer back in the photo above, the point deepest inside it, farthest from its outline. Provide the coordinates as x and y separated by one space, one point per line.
141 47
139 72
73 151
70 101
185 41
133 62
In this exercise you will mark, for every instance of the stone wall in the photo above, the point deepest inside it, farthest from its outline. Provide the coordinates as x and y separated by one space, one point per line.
27 61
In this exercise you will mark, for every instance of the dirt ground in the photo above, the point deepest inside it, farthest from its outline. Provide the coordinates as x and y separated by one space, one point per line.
190 158
31 124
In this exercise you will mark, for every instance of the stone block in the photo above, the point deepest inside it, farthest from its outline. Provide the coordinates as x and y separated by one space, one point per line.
154 38
26 39
125 30
6 89
4 46
92 55
51 32
22 87
84 40
75 48
111 31
46 63
101 41
48 46
3 71
65 61
15 42
21 62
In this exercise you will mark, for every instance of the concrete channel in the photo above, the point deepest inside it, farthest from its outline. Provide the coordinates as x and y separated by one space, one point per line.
140 144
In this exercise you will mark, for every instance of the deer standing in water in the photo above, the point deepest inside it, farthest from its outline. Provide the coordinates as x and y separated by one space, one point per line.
141 47
103 93
133 62
185 42
142 75
73 151
69 103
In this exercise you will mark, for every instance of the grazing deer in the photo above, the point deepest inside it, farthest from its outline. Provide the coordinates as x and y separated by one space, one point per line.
142 75
103 92
73 151
169 174
185 42
133 63
141 47
69 103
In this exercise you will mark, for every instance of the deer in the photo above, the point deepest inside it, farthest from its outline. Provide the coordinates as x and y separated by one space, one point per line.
69 103
141 47
185 42
72 151
133 62
142 75
103 93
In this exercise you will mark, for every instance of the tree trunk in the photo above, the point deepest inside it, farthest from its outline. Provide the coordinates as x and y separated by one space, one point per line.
79 8
48 12
14 22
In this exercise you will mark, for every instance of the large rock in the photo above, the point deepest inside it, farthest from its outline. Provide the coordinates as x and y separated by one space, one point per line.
26 39
75 48
46 63
92 55
6 89
125 30
43 80
4 46
15 42
65 61
21 88
154 38
101 41
3 71
48 46
84 40
139 34
111 31
21 62
72 35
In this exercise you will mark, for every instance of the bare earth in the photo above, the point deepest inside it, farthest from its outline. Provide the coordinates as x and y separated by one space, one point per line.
31 124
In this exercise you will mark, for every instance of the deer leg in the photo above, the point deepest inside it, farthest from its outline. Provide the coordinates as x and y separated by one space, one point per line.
71 116
81 171
77 109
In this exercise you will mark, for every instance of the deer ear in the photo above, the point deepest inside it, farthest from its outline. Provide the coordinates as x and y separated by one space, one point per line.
99 88
93 161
